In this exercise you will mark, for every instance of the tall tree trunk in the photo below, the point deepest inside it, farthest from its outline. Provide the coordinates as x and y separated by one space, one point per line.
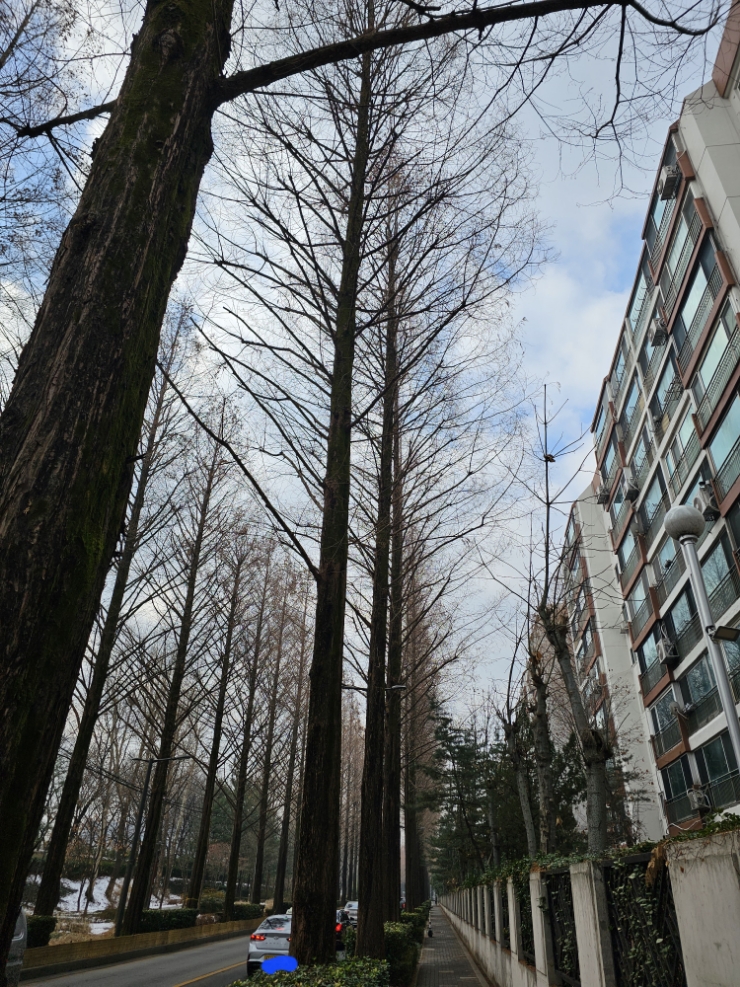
511 730
543 757
317 868
241 772
70 428
594 747
201 850
48 894
392 760
142 879
282 861
414 888
259 858
372 857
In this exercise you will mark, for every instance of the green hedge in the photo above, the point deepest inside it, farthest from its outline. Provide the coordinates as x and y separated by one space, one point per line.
154 920
246 909
352 973
401 952
211 901
350 938
416 922
40 928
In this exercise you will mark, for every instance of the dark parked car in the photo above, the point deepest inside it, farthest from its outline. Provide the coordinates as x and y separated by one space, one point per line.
17 949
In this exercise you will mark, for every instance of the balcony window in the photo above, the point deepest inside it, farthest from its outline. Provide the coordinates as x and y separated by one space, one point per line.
668 565
661 210
654 507
586 649
679 254
720 360
725 449
619 512
704 287
683 623
732 654
721 577
641 298
631 412
640 606
601 427
699 692
682 453
718 771
628 554
642 457
620 369
610 466
651 670
667 395
677 780
667 732
650 359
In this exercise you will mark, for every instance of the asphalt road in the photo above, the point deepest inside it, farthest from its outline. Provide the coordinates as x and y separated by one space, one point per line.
215 964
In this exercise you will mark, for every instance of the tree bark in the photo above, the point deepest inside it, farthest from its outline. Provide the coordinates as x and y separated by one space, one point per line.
522 786
543 758
201 850
241 774
594 748
48 894
392 760
259 858
317 869
282 861
142 880
70 428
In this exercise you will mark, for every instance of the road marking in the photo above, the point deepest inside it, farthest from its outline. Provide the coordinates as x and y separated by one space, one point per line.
211 974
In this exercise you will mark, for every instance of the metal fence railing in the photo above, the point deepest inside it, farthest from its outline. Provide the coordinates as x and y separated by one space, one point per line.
563 926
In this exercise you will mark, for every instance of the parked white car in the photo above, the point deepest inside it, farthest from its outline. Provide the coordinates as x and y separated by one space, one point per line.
351 909
272 938
17 949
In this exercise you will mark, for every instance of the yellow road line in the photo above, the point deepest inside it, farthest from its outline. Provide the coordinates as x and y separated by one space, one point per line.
211 974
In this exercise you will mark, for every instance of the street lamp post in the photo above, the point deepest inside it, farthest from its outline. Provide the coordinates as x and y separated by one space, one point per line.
137 833
686 523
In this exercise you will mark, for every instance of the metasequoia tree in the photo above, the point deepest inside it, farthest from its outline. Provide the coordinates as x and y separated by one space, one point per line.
70 427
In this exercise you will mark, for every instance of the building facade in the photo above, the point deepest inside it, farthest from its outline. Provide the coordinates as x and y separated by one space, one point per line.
667 431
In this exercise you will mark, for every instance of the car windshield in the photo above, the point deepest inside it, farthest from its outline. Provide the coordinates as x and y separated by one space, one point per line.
276 922
351 904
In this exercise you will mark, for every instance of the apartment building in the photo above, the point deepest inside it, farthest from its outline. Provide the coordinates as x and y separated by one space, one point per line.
667 431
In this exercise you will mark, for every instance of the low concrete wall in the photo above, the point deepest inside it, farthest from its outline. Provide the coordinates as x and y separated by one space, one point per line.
46 960
705 878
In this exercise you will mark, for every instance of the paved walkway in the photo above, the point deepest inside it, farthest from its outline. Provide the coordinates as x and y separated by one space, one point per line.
444 962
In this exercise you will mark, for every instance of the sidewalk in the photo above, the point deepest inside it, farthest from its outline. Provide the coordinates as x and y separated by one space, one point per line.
444 962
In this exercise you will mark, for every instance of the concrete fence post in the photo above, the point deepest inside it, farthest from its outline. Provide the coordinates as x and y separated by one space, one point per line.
487 917
543 951
498 919
592 926
705 879
515 922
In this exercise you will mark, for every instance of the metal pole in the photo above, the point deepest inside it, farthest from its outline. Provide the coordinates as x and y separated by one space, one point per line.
688 544
134 848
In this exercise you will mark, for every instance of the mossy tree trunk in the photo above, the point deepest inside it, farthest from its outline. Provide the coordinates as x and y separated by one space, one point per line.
317 867
48 894
204 832
543 752
70 428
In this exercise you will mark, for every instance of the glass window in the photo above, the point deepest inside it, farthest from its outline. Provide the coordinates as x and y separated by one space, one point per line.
647 653
732 653
680 238
682 611
717 564
631 403
620 365
664 385
665 557
710 361
653 496
660 209
611 455
677 778
675 453
697 299
661 711
716 759
640 298
600 422
626 548
726 435
698 681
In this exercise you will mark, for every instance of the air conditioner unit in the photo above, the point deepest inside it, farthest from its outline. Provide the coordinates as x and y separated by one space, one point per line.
602 494
704 501
698 799
666 652
677 709
670 179
658 333
629 484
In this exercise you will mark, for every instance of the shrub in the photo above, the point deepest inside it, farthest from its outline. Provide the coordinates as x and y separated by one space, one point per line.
415 922
350 938
246 909
154 920
401 952
352 973
211 900
40 928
